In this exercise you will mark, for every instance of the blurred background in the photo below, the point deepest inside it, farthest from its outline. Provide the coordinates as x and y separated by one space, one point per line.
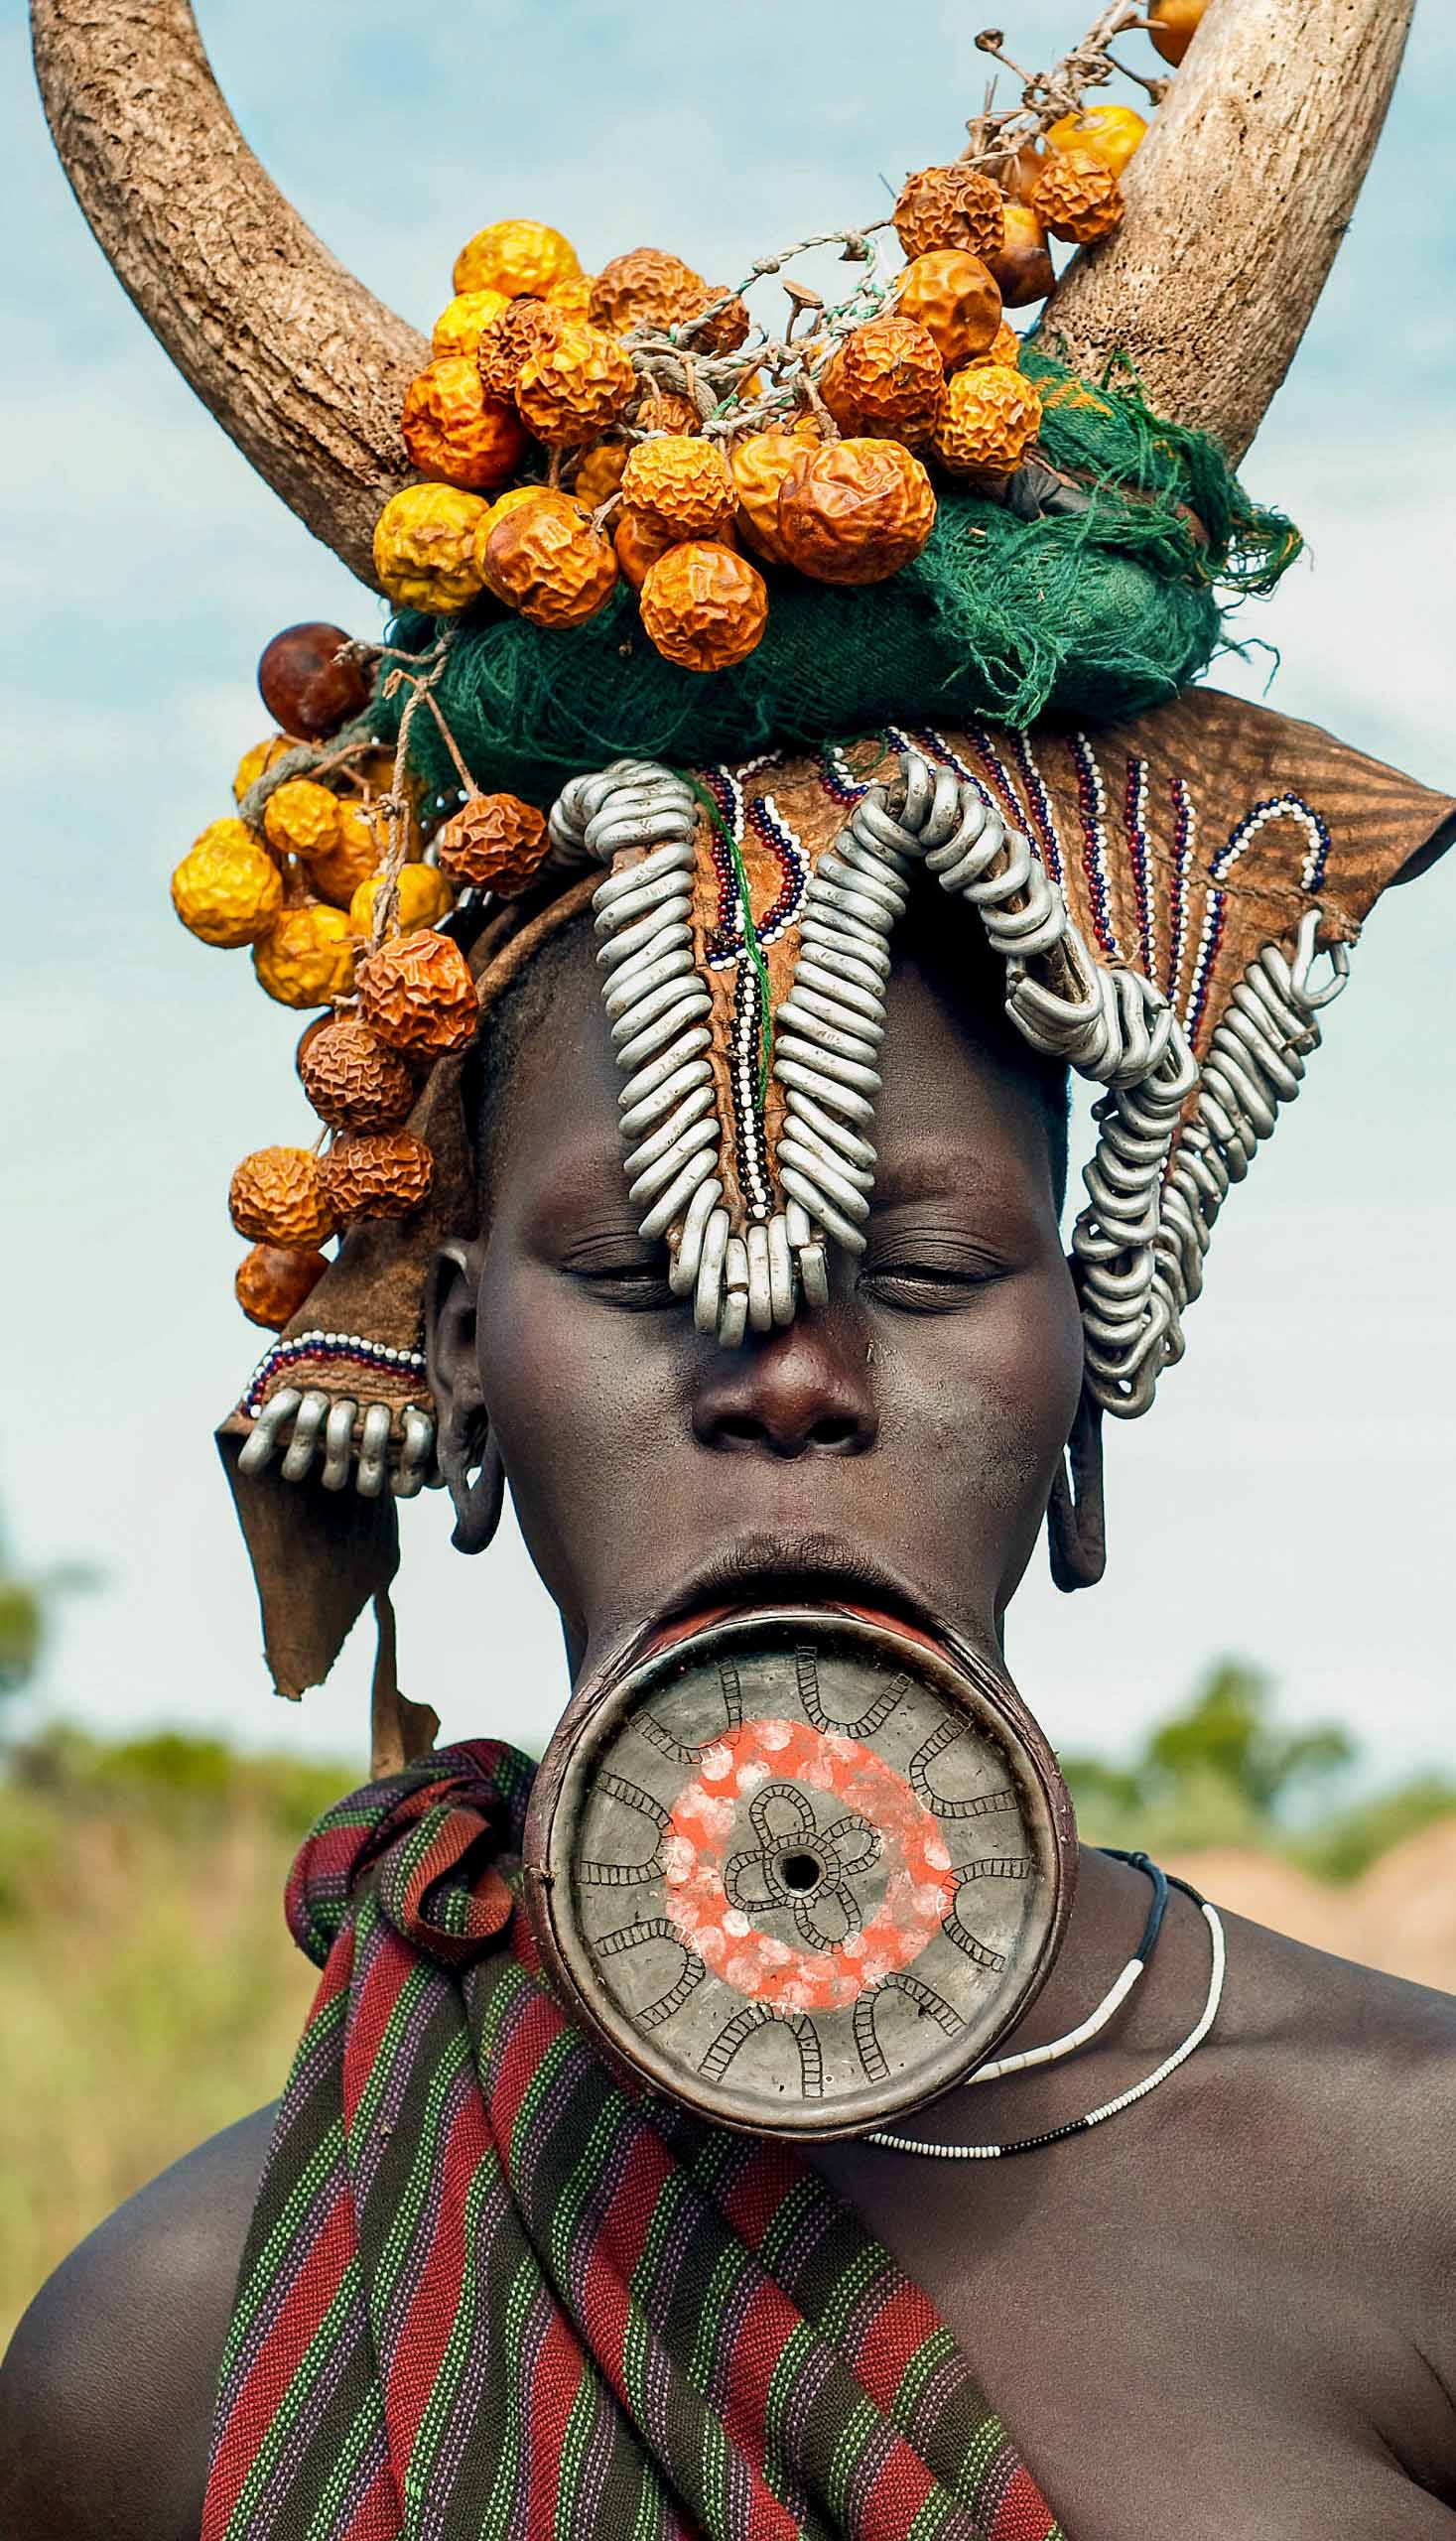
1262 1684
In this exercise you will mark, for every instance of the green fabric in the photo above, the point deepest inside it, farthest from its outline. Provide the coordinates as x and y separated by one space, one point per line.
1099 614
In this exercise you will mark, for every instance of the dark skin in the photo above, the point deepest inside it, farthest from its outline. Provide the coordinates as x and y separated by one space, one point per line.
1225 2316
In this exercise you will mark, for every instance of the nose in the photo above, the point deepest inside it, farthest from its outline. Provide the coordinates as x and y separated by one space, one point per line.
806 1391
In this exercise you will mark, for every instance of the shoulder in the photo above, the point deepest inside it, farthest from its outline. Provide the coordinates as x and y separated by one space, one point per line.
1352 2074
106 2389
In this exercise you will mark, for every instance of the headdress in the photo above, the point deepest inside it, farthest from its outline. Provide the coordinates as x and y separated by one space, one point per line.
745 638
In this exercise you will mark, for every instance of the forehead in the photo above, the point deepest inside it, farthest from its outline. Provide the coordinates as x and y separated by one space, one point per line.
956 1110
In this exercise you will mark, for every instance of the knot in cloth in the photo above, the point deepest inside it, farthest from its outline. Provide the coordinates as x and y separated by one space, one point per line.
430 1838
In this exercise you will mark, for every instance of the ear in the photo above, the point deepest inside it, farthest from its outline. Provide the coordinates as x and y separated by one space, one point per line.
468 1457
1076 1516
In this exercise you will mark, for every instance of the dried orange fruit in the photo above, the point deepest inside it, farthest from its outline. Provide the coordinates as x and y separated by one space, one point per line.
387 1174
1004 348
704 607
515 256
273 1282
601 472
228 888
421 897
991 414
680 485
417 994
308 958
855 511
759 465
1018 174
453 430
575 383
257 761
954 297
424 548
637 544
1023 269
502 346
1108 133
503 505
458 325
494 843
1077 198
276 1197
545 558
646 287
886 378
1172 25
572 296
301 818
351 1080
954 206
664 411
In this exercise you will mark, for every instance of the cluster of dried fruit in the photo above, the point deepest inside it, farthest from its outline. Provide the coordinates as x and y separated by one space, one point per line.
301 885
557 461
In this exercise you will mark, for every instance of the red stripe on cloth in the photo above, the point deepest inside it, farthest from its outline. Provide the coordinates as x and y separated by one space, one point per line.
378 2516
617 2250
893 2336
1023 2514
896 2494
560 2365
317 2273
391 1964
410 2367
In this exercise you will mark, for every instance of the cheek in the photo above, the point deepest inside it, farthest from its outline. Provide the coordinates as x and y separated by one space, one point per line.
578 1400
985 1402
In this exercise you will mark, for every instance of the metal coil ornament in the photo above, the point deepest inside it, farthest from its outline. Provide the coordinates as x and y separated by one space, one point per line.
800 1868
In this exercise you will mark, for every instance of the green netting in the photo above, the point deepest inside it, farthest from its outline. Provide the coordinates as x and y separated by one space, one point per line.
1094 616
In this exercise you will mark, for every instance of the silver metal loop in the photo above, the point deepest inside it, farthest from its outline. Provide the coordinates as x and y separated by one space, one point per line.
338 1444
307 1427
263 1438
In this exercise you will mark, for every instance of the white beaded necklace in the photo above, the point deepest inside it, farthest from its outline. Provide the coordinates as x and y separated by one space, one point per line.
1045 2056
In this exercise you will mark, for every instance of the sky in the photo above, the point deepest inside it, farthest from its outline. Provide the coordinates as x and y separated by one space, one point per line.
1289 1499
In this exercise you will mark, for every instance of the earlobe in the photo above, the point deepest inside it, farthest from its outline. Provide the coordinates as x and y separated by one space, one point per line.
1075 1515
470 1460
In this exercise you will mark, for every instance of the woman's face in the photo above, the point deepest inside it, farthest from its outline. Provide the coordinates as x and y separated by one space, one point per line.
904 1441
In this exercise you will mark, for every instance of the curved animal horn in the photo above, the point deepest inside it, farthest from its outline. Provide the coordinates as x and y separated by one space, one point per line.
1237 201
303 369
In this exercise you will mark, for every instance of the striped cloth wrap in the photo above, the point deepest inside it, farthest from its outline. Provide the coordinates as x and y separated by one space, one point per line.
488 2295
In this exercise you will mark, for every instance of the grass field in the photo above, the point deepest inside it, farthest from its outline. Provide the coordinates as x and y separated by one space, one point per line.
150 1992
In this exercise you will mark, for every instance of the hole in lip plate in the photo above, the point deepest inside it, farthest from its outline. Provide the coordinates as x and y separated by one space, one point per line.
800 1871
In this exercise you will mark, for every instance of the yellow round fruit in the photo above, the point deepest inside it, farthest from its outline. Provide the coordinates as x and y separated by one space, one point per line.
503 505
954 206
855 511
308 958
363 836
680 485
513 257
992 415
664 411
546 560
503 346
276 1196
1023 270
1108 133
301 818
574 384
572 296
759 465
1077 198
1004 348
421 897
647 287
601 472
425 548
1172 25
704 607
457 327
954 297
257 761
453 430
886 378
228 888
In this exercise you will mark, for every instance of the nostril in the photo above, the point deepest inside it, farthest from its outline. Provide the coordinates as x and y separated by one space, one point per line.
742 1432
834 1431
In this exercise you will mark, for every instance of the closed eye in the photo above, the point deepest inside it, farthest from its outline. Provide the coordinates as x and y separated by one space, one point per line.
928 1274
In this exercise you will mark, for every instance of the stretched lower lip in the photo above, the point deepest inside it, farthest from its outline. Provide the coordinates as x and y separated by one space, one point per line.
798 1594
